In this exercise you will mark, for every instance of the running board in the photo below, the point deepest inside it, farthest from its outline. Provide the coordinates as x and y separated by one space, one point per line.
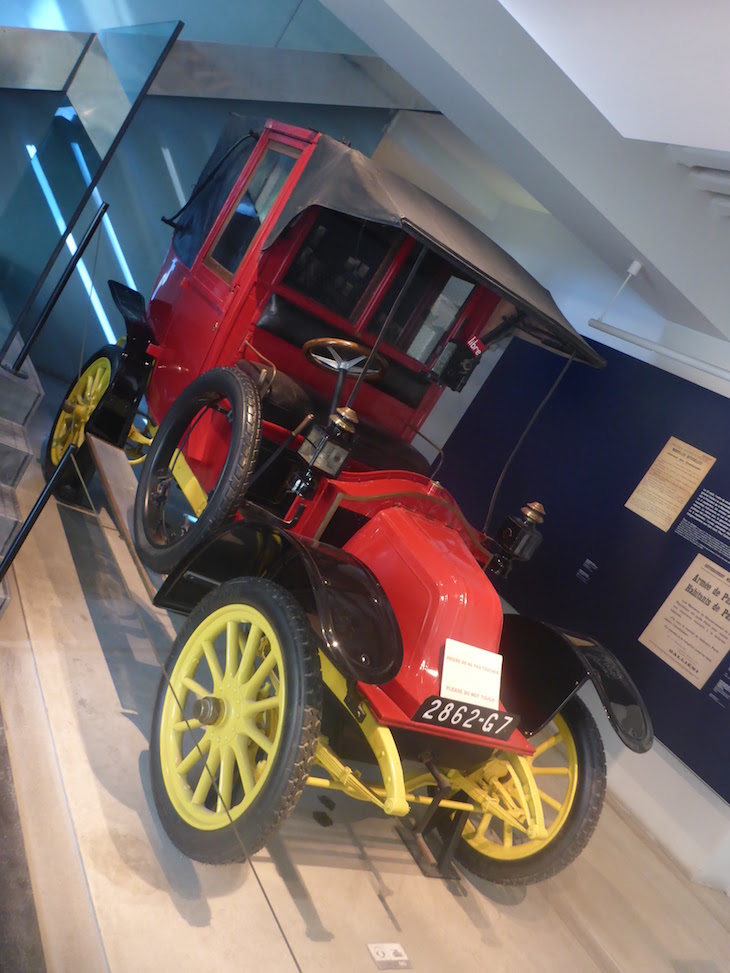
120 486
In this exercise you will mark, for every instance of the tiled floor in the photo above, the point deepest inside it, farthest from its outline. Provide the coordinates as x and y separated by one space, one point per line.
78 672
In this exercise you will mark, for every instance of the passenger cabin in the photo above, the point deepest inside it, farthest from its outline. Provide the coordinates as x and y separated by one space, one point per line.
290 235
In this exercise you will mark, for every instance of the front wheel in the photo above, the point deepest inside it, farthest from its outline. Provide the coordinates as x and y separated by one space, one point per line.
563 785
69 426
236 722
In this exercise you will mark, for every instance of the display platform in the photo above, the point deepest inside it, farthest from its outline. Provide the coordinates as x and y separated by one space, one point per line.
79 650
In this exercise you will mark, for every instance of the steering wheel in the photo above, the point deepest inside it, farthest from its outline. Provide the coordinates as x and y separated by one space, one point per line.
344 357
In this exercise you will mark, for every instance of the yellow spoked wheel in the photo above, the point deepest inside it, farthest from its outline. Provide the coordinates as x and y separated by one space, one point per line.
236 722
536 814
80 402
69 427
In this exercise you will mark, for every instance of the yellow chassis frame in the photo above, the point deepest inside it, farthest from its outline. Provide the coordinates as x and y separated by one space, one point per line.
397 795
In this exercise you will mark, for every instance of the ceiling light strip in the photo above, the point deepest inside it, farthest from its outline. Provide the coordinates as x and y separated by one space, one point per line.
635 339
70 243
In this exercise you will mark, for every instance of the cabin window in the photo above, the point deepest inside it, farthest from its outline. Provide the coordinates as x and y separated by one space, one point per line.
427 311
252 208
207 200
339 260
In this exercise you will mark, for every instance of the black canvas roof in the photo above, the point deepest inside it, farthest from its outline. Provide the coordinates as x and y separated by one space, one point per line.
344 180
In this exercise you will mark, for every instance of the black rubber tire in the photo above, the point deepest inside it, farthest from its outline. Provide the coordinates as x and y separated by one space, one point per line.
237 839
69 488
218 384
579 824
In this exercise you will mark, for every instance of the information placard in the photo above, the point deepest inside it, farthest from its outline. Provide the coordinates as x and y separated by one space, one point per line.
691 630
471 674
669 483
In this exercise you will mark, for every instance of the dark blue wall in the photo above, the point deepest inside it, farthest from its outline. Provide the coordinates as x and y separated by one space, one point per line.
589 449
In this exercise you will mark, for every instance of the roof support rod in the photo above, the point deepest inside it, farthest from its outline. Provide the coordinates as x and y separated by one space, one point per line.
386 324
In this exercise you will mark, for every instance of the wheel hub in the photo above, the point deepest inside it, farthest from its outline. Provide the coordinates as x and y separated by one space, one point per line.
161 489
230 714
208 710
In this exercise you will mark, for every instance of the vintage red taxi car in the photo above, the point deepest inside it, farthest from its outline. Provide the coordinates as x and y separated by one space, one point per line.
311 311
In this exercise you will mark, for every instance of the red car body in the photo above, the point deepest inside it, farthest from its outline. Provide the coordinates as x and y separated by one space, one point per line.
310 313
213 305
426 558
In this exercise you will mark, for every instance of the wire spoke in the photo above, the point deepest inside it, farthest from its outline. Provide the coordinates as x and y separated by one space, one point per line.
184 725
207 777
248 653
550 801
550 771
231 648
197 753
259 738
262 705
213 664
195 687
225 781
259 676
546 745
243 759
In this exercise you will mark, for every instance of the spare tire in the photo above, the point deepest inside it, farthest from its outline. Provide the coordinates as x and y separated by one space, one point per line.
198 466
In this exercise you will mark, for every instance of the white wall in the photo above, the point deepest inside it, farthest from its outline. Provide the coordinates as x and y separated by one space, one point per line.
680 812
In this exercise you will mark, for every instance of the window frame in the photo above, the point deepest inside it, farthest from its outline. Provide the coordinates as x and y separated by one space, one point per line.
420 314
373 296
208 261
362 303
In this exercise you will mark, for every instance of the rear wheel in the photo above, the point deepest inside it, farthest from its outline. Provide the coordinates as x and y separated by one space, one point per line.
69 426
563 785
197 467
236 721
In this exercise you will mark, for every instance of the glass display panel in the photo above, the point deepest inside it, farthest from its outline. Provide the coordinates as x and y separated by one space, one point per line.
252 209
339 260
427 311
62 168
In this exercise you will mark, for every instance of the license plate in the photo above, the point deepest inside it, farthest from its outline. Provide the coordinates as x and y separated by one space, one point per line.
480 720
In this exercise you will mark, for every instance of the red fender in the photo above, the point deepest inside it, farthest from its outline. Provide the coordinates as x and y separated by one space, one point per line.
437 591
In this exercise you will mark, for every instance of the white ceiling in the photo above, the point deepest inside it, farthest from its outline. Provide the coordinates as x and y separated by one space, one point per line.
658 70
